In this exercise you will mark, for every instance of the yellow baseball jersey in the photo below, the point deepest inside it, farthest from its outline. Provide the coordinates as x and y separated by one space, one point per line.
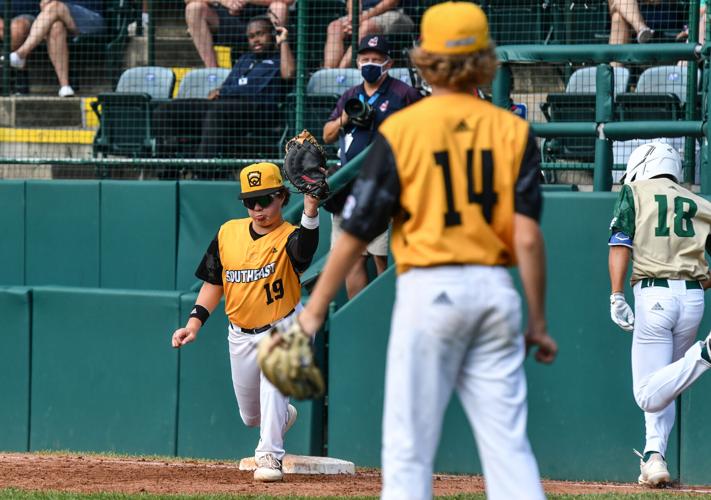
260 283
453 170
666 226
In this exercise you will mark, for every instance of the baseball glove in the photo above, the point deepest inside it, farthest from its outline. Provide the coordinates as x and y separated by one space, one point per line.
287 360
305 165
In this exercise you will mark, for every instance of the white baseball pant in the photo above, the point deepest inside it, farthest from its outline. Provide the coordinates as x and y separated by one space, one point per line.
665 358
456 328
260 403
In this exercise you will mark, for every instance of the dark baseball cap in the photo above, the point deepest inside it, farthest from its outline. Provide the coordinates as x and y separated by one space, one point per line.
377 43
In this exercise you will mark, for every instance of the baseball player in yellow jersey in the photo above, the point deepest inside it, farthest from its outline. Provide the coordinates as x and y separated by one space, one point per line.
664 228
460 177
255 262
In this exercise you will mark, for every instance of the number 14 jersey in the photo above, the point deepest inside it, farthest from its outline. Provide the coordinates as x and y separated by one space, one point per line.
452 170
667 225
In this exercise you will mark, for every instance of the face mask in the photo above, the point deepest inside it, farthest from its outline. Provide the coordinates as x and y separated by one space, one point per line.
371 72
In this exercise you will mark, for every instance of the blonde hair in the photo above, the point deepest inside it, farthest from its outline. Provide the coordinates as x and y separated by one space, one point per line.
457 72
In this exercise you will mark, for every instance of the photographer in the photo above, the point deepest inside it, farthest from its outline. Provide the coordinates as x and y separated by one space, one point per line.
353 122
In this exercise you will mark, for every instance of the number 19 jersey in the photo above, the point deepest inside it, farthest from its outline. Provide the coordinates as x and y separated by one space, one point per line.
668 226
457 169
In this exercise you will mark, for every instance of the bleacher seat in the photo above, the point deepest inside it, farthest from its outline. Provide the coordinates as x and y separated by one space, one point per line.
517 21
402 74
198 83
333 81
576 22
660 95
577 104
126 115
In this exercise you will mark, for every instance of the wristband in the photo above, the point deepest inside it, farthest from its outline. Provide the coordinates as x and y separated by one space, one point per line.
309 222
200 313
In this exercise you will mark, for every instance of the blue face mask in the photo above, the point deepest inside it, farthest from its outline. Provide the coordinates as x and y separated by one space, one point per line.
371 72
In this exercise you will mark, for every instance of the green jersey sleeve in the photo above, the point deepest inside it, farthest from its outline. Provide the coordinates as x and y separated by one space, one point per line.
623 215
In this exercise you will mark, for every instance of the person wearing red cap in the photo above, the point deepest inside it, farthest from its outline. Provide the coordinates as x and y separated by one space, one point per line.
255 262
460 178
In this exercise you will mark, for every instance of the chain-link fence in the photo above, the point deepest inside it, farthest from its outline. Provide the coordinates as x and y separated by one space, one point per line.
193 88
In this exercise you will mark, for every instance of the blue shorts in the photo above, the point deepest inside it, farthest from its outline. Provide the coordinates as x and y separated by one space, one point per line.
88 22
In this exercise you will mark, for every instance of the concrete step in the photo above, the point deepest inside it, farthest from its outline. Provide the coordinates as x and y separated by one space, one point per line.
301 464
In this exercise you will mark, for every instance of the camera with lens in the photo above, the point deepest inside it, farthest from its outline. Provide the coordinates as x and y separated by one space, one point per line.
360 113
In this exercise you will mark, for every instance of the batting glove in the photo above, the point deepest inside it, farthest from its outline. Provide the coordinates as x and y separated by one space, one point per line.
620 312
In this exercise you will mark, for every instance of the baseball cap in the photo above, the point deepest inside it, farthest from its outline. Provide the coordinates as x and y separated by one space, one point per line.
259 179
377 43
454 28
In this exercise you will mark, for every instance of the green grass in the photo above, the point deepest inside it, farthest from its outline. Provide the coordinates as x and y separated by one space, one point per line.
53 495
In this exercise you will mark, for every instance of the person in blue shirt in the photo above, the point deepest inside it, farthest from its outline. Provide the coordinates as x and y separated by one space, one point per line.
376 16
55 22
385 95
250 95
22 13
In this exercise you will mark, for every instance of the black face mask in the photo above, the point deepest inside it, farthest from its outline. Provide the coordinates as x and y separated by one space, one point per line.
371 72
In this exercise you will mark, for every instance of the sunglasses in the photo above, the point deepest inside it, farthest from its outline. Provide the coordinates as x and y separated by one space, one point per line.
263 201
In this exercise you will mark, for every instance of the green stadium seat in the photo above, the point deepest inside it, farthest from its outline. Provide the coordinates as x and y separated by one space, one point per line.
660 95
517 21
576 22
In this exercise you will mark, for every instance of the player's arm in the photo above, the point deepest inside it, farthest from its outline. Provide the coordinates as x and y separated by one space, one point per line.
368 209
622 231
210 271
302 243
530 251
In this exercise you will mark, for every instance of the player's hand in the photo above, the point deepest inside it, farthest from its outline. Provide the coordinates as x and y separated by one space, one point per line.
547 348
183 336
620 312
310 205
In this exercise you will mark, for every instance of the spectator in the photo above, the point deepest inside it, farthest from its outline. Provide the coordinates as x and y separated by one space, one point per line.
385 95
252 90
223 21
23 15
54 23
376 16
644 17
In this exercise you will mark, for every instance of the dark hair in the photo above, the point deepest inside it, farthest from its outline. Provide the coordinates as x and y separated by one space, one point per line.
262 19
287 196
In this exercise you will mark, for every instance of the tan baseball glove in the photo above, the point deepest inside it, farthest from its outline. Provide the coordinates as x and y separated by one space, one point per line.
287 360
305 165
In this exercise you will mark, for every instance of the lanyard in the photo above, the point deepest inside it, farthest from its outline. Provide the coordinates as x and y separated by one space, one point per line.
371 99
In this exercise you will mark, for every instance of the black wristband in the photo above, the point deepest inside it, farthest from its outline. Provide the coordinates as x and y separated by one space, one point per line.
200 313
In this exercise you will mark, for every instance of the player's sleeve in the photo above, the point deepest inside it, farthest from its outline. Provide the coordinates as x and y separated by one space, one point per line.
375 197
301 247
210 268
528 200
623 215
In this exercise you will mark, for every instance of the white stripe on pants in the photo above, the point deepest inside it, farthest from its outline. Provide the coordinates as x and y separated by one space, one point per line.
456 327
665 358
260 403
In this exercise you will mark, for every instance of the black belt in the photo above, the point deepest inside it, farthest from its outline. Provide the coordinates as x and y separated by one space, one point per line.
663 282
260 329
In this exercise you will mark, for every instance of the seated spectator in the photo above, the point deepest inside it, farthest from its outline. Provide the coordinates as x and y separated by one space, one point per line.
250 95
23 14
213 22
644 17
54 23
384 95
376 16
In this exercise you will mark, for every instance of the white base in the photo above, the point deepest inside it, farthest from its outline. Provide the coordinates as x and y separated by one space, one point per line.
300 464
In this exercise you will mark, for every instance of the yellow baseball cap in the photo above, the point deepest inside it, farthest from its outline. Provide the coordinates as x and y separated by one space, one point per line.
259 179
454 28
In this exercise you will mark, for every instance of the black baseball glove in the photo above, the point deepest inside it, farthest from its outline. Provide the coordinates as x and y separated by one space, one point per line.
305 165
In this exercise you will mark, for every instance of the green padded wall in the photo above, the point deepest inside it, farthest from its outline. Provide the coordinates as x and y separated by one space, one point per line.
62 233
208 416
15 305
12 220
203 208
138 234
104 376
583 403
580 406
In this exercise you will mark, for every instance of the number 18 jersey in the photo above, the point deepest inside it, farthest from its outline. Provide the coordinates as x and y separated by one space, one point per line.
452 170
668 226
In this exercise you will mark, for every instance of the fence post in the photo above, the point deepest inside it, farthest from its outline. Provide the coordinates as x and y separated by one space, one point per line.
355 25
691 89
6 48
501 87
151 34
705 173
604 112
301 14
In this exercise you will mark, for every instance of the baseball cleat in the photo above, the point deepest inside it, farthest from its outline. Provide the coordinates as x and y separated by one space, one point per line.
268 469
291 415
653 472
